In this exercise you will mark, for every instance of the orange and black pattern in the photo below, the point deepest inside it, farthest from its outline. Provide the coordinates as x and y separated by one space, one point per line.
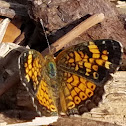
33 76
94 60
74 92
74 82
31 69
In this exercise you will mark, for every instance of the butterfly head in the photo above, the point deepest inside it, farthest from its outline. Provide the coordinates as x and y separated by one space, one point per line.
52 69
51 66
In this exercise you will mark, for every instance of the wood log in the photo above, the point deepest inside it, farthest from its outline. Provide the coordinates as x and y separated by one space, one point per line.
9 74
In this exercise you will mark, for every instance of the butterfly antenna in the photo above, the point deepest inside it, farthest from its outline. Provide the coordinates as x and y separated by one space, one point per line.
41 21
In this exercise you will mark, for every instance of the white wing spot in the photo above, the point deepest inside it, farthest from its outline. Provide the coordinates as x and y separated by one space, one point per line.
103 42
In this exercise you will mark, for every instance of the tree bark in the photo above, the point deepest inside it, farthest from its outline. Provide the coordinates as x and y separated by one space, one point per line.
62 14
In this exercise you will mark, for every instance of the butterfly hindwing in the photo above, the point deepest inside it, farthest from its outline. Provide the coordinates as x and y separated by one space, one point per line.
34 78
77 94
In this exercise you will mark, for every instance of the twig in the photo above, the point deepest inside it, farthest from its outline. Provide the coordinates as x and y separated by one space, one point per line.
75 32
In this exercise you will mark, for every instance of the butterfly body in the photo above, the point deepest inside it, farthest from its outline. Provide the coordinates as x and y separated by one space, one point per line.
74 82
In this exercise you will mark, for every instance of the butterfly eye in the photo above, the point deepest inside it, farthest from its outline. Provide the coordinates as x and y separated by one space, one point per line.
52 69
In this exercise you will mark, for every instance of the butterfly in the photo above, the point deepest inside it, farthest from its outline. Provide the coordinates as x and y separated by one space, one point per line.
73 82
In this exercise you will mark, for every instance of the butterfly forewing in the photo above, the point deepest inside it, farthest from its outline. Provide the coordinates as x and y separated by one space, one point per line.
30 64
35 79
93 60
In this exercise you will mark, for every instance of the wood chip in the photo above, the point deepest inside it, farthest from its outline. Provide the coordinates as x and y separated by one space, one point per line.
12 31
3 26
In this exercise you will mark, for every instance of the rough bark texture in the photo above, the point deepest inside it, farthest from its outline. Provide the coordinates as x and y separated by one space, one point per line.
61 13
